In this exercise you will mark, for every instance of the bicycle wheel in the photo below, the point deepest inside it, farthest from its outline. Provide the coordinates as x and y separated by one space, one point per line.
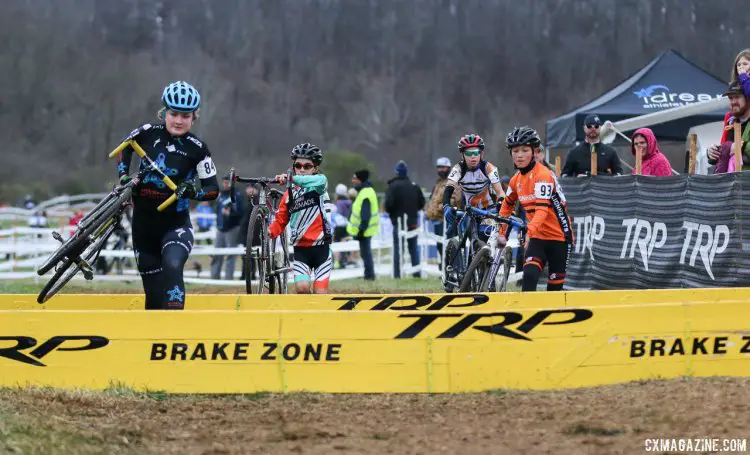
502 284
79 240
256 256
68 268
476 270
279 282
498 282
453 264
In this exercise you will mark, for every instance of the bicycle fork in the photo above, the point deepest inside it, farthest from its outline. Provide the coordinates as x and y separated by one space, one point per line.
85 267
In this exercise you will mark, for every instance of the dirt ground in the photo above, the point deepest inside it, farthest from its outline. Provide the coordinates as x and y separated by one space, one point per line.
604 420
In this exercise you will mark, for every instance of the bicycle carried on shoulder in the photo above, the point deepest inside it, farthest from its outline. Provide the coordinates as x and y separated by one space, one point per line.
81 250
266 256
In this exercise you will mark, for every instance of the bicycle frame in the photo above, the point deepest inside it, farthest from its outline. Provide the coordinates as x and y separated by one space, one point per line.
466 230
151 167
470 216
268 202
496 254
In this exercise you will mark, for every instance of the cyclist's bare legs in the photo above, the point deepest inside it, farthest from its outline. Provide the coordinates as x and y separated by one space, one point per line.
302 287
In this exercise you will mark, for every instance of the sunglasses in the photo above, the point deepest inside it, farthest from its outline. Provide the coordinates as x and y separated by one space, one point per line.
306 166
472 153
593 127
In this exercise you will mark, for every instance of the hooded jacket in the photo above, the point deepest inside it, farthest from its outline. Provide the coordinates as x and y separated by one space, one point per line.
654 162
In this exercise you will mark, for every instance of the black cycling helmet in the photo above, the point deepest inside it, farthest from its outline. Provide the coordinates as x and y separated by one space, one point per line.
470 141
523 135
308 151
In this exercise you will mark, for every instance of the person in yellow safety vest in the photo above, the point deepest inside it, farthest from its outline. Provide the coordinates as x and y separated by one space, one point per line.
364 221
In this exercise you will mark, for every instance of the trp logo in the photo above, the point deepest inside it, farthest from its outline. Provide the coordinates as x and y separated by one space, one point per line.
645 236
33 357
588 229
709 241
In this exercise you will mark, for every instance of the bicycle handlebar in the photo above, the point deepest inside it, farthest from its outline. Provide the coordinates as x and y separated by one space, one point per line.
233 177
477 212
154 167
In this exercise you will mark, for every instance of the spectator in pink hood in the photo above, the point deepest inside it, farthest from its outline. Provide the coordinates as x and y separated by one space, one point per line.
654 162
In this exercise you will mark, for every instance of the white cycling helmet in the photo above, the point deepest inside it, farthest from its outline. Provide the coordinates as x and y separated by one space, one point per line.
443 162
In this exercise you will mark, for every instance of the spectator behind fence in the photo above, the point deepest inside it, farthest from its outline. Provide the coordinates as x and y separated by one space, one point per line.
404 197
205 218
252 194
578 161
722 155
364 222
38 220
228 217
340 220
653 161
73 221
434 211
28 202
741 65
540 156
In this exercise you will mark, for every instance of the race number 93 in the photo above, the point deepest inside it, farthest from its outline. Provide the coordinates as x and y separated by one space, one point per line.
543 190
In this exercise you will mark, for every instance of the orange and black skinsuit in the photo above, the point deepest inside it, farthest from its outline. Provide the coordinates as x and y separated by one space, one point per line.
549 227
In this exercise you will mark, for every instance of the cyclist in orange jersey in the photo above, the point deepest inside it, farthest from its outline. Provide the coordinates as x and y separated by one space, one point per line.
550 234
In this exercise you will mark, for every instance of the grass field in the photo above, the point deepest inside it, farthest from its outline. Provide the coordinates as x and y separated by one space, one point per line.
379 286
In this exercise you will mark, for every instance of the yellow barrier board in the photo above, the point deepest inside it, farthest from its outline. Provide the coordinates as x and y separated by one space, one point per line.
373 351
385 302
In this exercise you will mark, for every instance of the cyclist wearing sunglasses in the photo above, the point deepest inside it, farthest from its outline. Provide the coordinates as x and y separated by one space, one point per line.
162 240
303 208
550 233
578 161
478 179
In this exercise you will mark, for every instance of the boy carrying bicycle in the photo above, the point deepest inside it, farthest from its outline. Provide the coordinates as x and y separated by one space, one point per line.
303 208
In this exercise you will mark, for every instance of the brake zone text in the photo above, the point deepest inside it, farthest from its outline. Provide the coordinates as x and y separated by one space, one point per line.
670 347
240 351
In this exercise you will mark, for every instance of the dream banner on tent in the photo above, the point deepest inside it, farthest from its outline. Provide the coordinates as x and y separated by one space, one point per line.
639 232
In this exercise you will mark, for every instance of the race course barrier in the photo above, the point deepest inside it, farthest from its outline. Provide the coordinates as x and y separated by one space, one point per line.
376 344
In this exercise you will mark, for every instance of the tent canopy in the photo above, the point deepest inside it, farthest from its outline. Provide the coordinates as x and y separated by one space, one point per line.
668 81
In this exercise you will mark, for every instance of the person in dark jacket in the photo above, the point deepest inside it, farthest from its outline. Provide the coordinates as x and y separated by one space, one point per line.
404 197
578 161
364 221
228 218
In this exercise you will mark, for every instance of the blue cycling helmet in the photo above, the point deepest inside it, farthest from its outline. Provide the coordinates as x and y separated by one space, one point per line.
181 97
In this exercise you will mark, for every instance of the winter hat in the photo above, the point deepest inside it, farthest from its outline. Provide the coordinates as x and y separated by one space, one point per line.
443 162
341 190
362 175
401 169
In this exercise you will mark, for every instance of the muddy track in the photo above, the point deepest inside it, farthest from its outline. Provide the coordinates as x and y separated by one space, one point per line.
607 420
